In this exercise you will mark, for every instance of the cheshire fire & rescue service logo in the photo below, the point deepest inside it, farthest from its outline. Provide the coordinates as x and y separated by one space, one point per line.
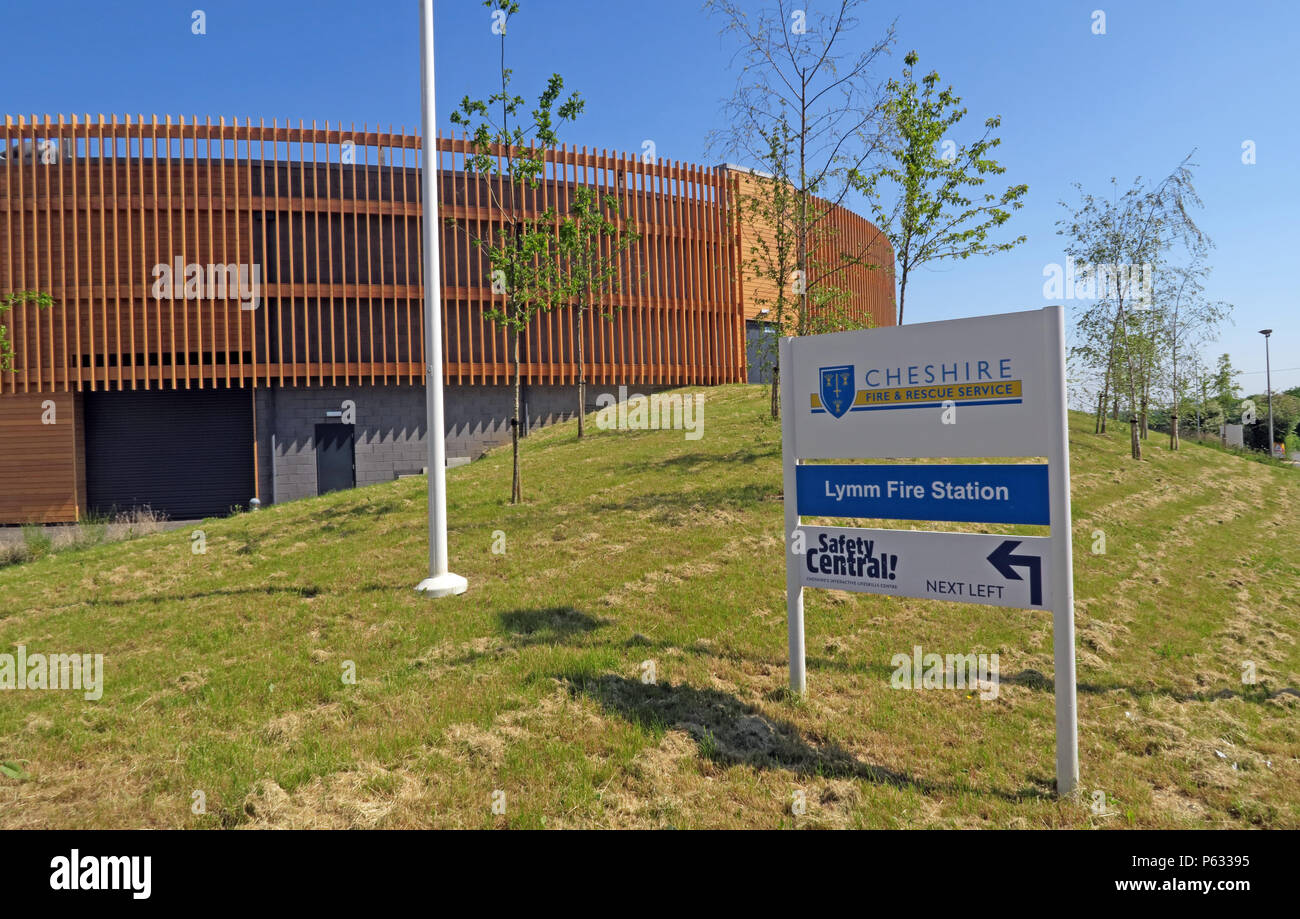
837 389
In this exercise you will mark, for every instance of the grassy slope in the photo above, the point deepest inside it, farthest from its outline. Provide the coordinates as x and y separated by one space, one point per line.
223 670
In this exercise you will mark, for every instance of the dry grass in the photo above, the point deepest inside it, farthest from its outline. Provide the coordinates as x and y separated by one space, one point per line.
224 671
34 542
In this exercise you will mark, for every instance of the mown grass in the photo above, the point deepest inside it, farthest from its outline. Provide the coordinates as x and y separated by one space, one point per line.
224 671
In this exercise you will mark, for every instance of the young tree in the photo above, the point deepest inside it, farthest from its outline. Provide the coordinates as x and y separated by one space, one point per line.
1145 342
1187 319
593 244
780 288
1119 242
806 106
1224 386
926 194
1089 357
1200 405
831 313
7 303
510 151
768 203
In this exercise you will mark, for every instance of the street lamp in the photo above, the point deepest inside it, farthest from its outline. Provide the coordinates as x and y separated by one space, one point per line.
440 582
1268 382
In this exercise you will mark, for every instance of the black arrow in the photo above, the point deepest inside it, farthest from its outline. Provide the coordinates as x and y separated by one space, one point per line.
1006 563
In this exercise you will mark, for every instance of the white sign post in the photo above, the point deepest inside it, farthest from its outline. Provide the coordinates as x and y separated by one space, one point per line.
990 387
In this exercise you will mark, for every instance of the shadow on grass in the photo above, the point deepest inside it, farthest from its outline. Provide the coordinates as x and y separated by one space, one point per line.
1259 693
306 591
371 508
554 625
550 625
691 460
727 731
1038 681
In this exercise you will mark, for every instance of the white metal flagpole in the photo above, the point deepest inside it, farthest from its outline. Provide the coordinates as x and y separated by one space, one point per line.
440 582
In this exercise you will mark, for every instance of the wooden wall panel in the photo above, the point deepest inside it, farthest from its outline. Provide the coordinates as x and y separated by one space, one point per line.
42 476
854 257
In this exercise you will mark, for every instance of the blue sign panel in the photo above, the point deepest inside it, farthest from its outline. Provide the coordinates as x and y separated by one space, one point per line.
969 493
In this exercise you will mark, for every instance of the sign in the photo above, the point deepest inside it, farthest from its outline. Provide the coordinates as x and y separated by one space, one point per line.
881 392
989 387
963 567
965 493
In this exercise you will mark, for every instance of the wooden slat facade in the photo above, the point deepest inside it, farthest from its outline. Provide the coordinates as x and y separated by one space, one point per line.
331 215
329 218
42 476
851 255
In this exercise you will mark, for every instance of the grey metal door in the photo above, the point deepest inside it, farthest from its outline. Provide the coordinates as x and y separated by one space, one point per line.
335 457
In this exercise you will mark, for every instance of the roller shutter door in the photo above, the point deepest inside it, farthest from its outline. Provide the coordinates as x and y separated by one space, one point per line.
186 453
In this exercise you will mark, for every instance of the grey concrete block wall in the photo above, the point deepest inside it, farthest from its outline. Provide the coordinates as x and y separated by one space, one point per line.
390 427
264 422
389 430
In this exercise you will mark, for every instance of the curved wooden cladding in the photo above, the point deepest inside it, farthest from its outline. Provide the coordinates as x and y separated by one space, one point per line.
332 217
677 320
861 253
867 276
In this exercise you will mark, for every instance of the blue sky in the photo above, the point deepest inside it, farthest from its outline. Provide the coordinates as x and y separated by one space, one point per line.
1168 76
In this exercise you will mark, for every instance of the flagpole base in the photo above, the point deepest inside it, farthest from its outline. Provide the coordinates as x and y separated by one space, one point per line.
444 585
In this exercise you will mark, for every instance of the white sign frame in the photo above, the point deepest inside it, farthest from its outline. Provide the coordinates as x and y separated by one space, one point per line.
1026 420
